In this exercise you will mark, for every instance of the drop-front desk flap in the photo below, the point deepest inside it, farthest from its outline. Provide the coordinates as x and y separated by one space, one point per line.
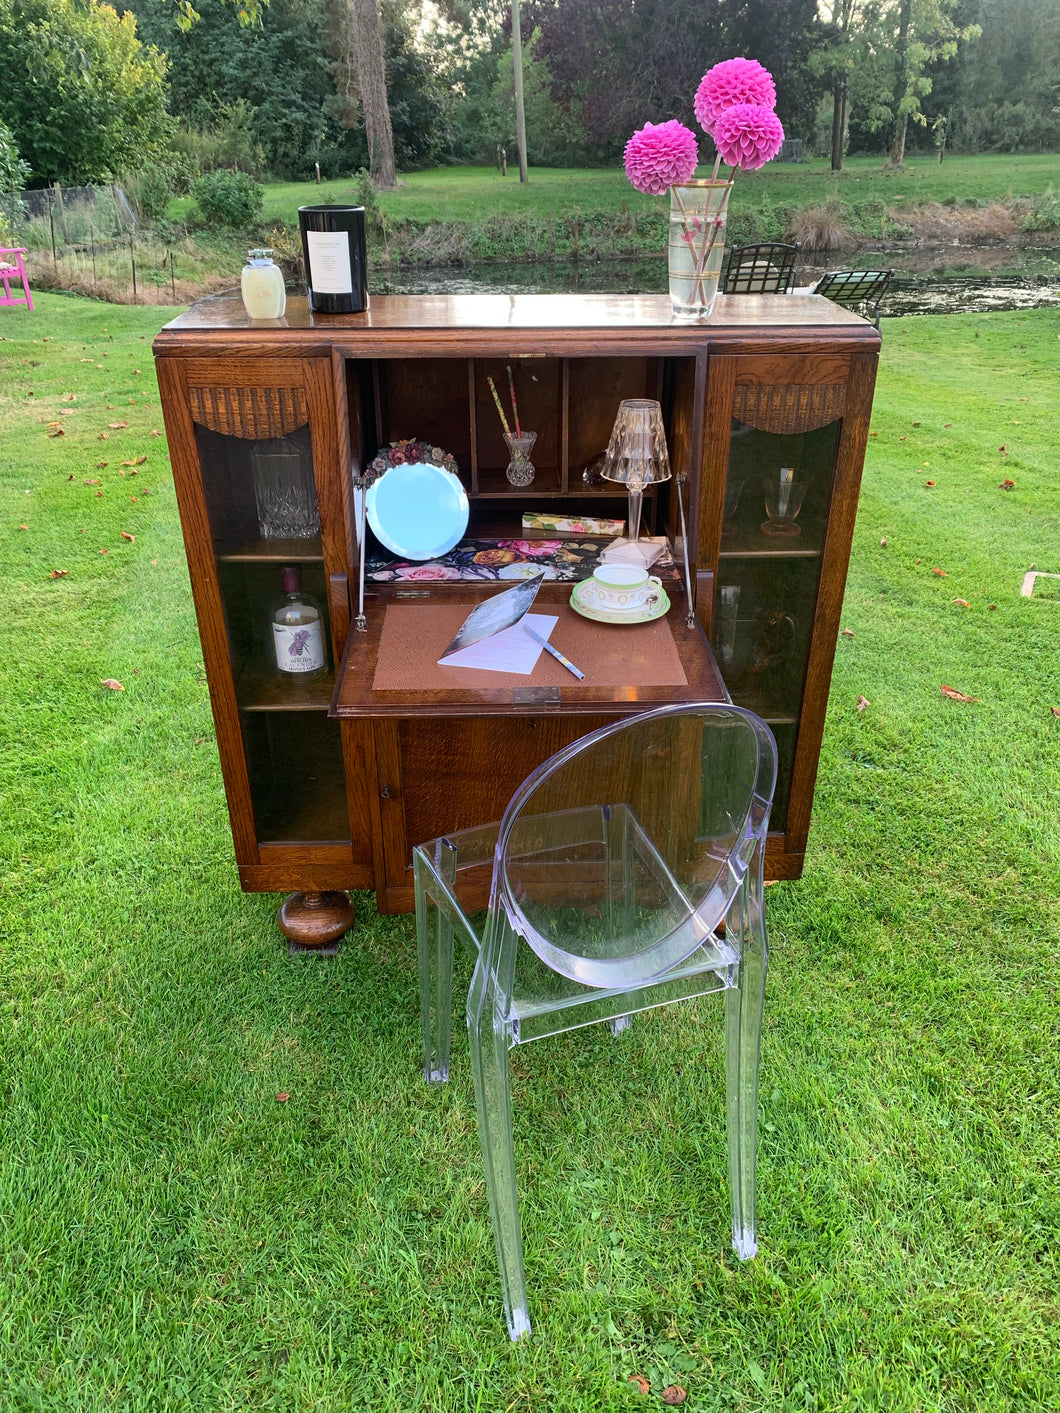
392 669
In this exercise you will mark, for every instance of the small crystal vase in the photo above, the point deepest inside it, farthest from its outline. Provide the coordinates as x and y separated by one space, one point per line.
520 470
696 248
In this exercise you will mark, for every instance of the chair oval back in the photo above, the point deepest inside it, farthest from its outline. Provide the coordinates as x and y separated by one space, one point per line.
767 267
618 857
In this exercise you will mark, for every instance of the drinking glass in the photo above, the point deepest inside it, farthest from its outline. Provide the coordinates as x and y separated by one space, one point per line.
784 497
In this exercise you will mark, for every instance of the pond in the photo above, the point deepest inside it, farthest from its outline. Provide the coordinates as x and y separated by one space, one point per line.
946 280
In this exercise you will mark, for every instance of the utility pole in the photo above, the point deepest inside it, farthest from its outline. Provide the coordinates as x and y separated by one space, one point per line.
517 66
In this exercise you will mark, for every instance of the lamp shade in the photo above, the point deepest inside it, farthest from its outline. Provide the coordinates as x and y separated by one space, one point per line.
637 454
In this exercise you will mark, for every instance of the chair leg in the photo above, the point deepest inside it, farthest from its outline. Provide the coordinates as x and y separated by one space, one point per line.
434 937
489 1053
743 1025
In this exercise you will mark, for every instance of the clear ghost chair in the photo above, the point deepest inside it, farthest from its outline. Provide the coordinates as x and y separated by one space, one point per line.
627 872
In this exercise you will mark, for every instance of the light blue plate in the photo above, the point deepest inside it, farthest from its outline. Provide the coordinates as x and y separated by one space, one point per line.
417 510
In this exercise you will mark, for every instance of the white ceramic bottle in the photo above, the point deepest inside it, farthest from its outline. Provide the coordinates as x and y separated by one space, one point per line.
264 296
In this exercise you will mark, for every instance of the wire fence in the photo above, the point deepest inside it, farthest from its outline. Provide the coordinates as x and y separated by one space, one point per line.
87 239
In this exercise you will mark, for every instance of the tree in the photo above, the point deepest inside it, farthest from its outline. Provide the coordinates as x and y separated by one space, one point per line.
365 71
924 30
83 97
367 50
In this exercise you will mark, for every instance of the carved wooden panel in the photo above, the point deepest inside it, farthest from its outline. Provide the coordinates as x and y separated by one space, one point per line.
789 407
253 413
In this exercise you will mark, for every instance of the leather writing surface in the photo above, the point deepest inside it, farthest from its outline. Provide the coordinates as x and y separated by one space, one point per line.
611 655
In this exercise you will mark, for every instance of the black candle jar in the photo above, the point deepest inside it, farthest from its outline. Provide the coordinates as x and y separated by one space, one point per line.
336 261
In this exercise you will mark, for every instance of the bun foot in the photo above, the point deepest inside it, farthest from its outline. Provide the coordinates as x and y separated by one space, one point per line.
315 920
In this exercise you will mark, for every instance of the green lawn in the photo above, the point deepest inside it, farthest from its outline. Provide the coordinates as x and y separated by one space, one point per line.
462 193
174 1238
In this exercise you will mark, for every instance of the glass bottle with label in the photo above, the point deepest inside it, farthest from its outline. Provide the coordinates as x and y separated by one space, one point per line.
298 631
262 287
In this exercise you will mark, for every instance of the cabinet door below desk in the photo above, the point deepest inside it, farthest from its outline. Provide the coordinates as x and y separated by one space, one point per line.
437 775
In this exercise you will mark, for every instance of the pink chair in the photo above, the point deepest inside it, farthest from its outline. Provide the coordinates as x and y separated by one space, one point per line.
16 271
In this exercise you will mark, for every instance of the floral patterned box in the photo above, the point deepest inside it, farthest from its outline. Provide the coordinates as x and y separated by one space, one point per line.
572 525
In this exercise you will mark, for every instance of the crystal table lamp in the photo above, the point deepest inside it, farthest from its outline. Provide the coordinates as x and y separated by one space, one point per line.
637 457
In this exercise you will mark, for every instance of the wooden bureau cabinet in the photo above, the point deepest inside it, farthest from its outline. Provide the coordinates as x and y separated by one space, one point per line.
330 783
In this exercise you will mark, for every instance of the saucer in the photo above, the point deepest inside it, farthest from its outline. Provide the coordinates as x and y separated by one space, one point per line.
648 614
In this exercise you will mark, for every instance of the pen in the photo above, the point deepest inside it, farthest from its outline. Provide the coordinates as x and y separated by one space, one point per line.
555 653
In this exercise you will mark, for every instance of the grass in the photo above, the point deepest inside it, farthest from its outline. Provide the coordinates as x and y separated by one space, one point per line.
459 193
173 1237
461 214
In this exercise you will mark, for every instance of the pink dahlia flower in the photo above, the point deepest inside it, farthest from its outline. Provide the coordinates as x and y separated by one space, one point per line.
728 83
748 135
660 154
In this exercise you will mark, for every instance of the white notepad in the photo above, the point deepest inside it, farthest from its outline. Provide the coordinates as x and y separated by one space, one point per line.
511 650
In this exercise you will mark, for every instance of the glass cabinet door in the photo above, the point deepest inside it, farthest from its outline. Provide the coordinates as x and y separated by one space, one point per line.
776 507
261 502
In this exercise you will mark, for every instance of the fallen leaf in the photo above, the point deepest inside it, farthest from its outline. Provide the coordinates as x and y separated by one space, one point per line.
136 372
68 411
103 551
918 561
101 464
58 574
132 539
113 684
57 432
940 572
134 498
991 606
643 1384
916 424
110 407
98 494
1055 711
155 432
956 696
947 424
1007 485
136 461
674 1394
102 437
116 425
963 602
902 439
862 703
95 481
282 1097
70 477
1003 450
929 483
23 527
847 633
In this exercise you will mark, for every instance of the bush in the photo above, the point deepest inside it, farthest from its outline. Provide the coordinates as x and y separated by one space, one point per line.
228 198
1044 213
150 193
13 176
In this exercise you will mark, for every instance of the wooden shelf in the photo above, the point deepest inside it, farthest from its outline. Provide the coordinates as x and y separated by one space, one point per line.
308 551
259 689
752 544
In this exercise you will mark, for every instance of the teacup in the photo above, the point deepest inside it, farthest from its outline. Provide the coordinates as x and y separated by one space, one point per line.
621 588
